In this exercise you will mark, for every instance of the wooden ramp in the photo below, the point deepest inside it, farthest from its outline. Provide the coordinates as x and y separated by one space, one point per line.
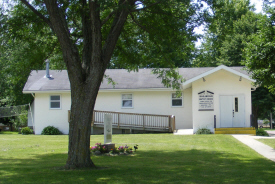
134 121
241 130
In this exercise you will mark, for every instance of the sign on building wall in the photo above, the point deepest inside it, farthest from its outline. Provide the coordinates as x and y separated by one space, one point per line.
206 101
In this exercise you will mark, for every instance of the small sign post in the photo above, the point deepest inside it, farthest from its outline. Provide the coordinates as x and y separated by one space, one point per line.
108 120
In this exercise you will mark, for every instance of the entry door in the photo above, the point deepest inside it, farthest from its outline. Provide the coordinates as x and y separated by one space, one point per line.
232 111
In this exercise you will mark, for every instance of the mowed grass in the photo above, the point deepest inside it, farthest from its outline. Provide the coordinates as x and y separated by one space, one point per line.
269 142
161 158
269 129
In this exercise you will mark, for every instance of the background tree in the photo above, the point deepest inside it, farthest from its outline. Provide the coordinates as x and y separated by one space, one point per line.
24 47
263 103
228 28
94 35
260 51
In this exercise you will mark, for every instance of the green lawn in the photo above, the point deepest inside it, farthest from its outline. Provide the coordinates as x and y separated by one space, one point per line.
161 158
269 129
9 132
269 142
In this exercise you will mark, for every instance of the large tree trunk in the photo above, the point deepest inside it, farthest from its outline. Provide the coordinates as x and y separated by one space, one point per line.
80 131
83 100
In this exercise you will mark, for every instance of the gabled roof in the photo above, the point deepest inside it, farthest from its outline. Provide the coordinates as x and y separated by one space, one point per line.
143 79
235 70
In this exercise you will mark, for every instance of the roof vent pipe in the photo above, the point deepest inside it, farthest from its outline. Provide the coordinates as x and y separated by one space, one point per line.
47 69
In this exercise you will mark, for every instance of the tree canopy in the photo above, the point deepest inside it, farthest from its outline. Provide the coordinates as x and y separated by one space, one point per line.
228 29
260 51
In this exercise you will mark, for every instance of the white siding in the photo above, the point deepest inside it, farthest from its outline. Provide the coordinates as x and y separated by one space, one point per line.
149 102
44 116
221 83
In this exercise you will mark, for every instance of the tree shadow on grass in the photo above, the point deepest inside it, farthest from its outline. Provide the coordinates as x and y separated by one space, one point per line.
186 166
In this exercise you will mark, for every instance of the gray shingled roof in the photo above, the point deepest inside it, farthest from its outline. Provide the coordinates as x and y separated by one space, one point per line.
143 79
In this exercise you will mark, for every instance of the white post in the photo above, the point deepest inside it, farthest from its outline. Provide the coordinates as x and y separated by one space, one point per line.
108 120
271 120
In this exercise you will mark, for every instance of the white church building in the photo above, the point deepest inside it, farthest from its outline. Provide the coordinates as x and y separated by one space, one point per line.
221 92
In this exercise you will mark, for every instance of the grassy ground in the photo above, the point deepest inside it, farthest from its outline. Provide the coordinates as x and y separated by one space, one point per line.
269 129
269 142
161 158
8 132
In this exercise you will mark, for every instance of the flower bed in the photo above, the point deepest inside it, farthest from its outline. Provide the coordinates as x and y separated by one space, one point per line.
100 149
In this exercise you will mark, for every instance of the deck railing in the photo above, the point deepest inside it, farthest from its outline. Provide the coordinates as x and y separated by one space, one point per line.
122 120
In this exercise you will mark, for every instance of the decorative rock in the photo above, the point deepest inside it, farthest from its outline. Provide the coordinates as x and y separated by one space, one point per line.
97 153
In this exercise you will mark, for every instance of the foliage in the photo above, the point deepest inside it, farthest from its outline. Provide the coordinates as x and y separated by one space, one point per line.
123 149
25 44
228 29
136 147
266 122
114 151
203 131
99 147
128 149
169 77
260 57
261 132
51 130
26 130
263 103
21 120
102 149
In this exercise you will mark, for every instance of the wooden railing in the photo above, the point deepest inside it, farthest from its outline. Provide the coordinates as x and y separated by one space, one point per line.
122 120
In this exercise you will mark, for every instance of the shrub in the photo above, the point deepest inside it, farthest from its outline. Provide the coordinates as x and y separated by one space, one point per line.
203 131
261 132
26 131
266 121
50 130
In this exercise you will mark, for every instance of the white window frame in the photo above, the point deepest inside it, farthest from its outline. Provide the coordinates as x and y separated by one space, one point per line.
50 100
181 98
127 99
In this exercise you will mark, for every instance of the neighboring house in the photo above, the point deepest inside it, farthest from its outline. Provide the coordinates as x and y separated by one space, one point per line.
221 91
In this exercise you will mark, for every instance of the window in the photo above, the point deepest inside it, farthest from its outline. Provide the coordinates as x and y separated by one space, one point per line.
236 104
127 100
176 100
55 102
